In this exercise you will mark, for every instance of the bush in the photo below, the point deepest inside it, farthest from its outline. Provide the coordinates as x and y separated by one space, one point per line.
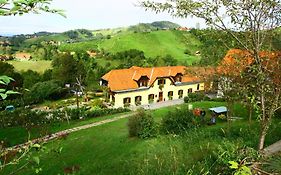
186 99
105 111
218 99
178 121
196 97
228 151
48 90
142 125
26 117
16 103
187 52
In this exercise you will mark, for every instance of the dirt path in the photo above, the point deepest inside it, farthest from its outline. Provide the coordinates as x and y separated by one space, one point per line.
66 132
273 149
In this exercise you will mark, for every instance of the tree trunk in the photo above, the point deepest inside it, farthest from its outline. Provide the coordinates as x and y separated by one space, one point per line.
264 124
262 137
250 113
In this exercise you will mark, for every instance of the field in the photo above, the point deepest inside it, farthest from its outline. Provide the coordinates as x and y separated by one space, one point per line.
38 66
156 43
106 149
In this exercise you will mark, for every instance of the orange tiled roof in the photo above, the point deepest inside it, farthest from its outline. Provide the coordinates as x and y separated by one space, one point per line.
125 79
23 55
237 60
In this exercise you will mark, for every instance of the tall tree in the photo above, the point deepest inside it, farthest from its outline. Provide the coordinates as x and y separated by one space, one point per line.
256 21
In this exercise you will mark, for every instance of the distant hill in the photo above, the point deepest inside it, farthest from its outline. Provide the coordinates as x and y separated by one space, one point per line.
155 43
155 39
165 25
158 25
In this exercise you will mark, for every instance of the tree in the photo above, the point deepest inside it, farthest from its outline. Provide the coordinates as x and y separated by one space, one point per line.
30 78
66 68
20 7
256 20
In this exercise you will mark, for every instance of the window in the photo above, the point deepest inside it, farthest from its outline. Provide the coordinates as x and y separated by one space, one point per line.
127 100
161 81
189 90
170 95
180 93
151 98
178 78
198 87
138 100
142 83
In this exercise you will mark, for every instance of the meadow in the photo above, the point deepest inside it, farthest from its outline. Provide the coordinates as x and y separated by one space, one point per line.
107 149
38 66
156 43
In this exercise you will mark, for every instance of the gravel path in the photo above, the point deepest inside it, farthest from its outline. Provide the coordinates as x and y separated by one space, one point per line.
163 104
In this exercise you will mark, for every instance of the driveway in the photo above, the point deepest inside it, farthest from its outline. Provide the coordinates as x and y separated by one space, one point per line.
160 104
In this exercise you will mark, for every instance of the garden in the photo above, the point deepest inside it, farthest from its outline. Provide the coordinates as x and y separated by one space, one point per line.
165 141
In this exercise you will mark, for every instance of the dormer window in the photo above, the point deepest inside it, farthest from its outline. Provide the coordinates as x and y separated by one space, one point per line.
178 77
143 81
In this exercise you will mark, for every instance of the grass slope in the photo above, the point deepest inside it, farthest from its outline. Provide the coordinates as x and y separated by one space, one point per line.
106 149
39 66
156 43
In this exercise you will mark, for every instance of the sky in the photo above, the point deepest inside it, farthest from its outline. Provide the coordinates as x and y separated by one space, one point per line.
87 14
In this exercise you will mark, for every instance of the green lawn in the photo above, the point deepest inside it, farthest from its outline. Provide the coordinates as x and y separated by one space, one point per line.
17 135
38 66
106 149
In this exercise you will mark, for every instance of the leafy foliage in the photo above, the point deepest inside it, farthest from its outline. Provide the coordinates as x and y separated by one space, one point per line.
19 7
48 90
142 125
29 118
178 121
66 68
5 80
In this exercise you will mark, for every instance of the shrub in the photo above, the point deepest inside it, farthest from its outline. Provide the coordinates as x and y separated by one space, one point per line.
48 90
101 112
186 99
178 121
187 52
218 99
26 117
142 125
228 151
196 97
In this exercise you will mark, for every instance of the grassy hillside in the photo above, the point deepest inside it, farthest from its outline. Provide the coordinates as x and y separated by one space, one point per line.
38 66
156 43
55 37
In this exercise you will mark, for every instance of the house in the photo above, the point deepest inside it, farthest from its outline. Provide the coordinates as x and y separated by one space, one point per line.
23 56
184 29
142 86
237 61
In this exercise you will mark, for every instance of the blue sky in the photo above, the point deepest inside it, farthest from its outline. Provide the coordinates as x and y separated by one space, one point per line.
88 14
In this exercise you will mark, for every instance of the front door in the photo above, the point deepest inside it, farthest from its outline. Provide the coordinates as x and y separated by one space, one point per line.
160 96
